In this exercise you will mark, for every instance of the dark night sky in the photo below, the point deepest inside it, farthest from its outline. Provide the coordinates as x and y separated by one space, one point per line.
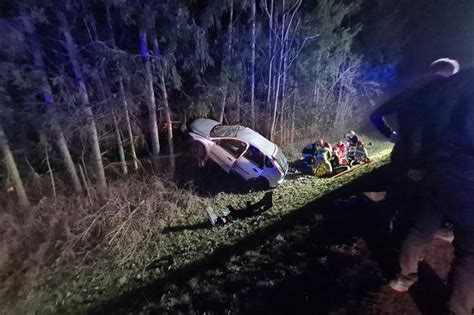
439 28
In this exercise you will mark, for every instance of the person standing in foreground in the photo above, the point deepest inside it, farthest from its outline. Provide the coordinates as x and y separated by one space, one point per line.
447 148
410 107
406 167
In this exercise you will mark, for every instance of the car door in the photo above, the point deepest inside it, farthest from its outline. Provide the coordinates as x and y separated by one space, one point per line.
251 164
226 151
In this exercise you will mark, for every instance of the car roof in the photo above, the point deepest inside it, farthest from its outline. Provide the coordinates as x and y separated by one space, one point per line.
204 126
257 140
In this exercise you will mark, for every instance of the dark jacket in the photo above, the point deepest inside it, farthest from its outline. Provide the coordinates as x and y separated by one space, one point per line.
310 149
448 137
411 108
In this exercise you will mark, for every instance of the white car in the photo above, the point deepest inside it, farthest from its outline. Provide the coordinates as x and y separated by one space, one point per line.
239 150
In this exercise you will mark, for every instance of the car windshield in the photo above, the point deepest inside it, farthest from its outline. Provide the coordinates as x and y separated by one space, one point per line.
225 131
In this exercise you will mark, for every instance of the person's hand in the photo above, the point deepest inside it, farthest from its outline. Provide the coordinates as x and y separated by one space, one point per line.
416 175
393 137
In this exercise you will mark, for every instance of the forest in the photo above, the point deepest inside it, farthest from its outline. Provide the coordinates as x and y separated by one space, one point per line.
95 97
91 88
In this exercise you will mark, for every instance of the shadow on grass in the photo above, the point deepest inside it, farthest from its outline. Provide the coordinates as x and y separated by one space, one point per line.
209 180
302 264
233 215
189 227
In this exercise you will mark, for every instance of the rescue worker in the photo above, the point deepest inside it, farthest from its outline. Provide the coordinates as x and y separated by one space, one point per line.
335 159
311 150
360 155
322 166
352 138
341 150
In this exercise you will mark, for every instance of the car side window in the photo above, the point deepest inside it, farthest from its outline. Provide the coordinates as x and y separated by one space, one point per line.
268 162
255 156
233 146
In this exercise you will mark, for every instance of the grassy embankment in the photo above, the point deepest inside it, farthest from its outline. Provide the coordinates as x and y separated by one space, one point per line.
151 235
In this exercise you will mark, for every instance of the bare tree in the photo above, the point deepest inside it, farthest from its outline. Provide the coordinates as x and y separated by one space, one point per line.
150 95
123 96
252 61
270 49
287 18
225 62
164 96
86 107
126 110
100 78
13 169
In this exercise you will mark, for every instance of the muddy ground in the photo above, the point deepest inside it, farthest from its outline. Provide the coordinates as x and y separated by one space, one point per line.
318 258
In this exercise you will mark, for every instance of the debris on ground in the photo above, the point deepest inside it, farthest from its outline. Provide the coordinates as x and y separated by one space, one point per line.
230 214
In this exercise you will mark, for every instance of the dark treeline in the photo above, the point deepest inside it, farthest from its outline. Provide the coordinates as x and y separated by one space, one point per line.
88 86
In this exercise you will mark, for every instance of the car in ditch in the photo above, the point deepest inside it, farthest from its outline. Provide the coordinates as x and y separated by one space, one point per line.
240 150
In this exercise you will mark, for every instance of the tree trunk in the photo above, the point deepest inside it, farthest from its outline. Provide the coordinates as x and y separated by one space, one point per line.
110 24
278 76
45 144
293 106
293 114
118 138
106 96
223 103
275 104
316 92
164 95
97 156
91 127
283 92
48 101
252 76
151 101
13 170
102 82
169 123
270 54
66 154
225 64
129 125
239 108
